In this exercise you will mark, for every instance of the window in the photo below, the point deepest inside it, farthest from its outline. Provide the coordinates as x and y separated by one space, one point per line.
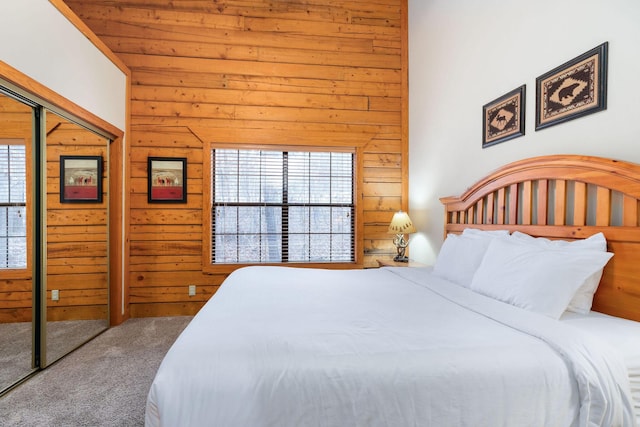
281 206
13 216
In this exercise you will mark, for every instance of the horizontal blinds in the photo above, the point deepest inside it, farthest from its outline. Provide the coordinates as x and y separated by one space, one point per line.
13 217
279 206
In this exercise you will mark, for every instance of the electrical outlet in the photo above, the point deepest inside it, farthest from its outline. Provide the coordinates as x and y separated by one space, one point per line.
192 290
55 295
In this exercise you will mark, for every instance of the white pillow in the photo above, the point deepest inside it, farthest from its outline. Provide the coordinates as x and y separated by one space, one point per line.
538 279
596 242
460 257
583 298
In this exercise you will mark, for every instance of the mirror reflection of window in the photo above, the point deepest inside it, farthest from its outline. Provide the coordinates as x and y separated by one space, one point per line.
13 204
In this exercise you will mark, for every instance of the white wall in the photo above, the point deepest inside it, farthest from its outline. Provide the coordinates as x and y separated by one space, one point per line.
40 42
465 53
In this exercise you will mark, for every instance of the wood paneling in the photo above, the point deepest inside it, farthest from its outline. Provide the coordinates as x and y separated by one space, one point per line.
252 72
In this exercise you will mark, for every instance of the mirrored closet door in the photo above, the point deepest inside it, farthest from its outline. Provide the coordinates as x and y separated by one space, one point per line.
54 235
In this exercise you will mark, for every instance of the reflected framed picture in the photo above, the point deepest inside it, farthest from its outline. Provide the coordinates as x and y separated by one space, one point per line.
503 118
167 179
80 179
574 89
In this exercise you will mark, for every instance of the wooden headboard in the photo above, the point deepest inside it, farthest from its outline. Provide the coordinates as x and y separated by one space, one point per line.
565 197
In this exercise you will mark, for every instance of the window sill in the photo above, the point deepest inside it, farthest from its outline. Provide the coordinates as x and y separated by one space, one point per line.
230 268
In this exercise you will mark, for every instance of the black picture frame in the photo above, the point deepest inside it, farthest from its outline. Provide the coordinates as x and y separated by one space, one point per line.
167 180
80 179
574 89
504 117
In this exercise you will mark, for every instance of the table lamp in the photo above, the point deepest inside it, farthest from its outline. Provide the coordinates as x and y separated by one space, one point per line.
400 225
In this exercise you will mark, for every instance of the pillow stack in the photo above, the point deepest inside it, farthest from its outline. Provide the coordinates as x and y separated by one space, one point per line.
536 274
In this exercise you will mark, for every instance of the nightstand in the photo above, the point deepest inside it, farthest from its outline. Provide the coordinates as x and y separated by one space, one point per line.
389 262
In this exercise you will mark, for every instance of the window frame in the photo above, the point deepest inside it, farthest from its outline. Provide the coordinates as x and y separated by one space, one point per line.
207 206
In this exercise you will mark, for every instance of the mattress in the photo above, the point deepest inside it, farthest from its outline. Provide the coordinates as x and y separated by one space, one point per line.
280 346
621 334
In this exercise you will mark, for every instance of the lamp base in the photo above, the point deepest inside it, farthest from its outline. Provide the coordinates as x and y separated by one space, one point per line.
401 246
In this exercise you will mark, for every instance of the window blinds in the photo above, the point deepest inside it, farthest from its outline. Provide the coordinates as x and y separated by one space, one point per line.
13 218
282 206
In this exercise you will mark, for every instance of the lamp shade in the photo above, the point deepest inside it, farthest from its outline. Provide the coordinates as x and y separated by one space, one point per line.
401 224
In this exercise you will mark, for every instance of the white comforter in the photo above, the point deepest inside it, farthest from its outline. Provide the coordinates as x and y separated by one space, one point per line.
280 346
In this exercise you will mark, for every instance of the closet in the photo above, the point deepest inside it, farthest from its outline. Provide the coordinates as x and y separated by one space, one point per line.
54 234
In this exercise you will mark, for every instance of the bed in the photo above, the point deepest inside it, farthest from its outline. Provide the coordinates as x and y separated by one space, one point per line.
467 342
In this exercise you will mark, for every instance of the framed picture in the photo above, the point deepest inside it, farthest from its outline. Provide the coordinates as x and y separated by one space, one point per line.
503 118
574 89
167 180
80 179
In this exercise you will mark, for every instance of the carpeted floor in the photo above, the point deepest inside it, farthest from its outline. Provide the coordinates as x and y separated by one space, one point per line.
62 337
103 383
15 352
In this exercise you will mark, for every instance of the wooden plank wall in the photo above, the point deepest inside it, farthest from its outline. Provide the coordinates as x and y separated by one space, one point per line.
304 72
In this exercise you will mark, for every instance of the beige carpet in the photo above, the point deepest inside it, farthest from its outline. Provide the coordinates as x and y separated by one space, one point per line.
103 383
62 337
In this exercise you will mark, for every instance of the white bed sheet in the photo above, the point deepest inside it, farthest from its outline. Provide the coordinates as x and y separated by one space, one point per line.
621 334
298 347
